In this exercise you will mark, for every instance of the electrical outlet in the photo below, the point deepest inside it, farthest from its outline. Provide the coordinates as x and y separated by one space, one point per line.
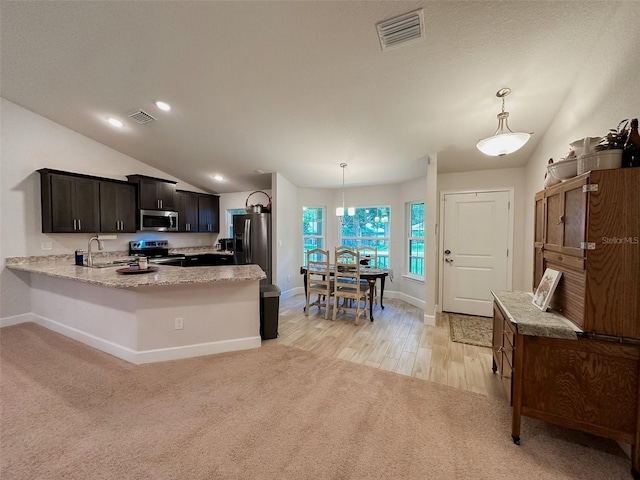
178 323
46 246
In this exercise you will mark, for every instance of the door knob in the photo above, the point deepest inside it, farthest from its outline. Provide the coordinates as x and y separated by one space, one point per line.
448 260
447 252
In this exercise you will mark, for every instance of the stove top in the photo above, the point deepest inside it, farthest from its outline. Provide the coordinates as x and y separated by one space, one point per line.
158 253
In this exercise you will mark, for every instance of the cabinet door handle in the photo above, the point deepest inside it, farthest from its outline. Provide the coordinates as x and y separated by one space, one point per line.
160 203
79 225
75 224
560 219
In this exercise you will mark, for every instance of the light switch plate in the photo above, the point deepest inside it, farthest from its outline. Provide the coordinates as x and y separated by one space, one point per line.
46 246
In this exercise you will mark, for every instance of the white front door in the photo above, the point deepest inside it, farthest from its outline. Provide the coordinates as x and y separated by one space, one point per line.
475 250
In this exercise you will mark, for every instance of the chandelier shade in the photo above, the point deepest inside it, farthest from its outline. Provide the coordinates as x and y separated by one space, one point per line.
504 141
351 211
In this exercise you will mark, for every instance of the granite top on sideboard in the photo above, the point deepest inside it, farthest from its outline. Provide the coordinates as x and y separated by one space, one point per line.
532 321
62 266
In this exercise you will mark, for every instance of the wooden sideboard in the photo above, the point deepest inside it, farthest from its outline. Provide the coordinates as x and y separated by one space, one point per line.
586 384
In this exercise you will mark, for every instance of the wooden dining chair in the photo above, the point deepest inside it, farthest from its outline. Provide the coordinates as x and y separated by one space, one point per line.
347 284
319 280
369 257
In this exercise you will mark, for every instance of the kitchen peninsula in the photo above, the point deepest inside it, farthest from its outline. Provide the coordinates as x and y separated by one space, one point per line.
138 318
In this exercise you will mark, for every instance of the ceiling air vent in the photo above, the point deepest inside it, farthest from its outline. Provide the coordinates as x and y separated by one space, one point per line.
141 117
400 30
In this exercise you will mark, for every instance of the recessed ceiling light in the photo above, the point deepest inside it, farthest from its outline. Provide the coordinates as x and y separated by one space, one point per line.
163 106
115 122
219 178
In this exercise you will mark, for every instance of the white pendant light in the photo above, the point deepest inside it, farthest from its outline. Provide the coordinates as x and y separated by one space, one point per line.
504 141
351 211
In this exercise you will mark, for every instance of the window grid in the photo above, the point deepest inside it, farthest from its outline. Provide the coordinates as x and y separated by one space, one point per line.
313 230
370 226
415 234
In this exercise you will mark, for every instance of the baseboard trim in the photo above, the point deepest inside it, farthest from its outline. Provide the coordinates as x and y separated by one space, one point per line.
429 319
147 356
197 350
416 302
291 292
16 320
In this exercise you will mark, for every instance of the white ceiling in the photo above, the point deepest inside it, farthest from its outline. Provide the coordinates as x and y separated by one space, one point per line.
297 87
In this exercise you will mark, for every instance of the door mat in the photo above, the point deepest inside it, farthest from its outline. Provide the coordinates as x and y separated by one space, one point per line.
471 329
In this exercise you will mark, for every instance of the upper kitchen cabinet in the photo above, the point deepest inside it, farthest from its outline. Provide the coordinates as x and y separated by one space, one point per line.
117 207
70 203
187 203
209 213
155 193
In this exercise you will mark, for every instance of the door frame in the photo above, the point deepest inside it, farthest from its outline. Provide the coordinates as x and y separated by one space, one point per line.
440 263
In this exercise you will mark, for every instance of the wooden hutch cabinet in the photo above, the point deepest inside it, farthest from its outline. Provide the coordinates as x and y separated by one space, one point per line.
588 228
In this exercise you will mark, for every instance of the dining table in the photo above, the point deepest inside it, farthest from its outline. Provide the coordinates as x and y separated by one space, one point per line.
369 273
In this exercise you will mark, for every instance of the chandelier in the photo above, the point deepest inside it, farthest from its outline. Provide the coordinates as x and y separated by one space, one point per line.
504 141
351 211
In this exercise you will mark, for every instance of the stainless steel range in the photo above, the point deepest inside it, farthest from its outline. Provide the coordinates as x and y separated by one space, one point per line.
157 251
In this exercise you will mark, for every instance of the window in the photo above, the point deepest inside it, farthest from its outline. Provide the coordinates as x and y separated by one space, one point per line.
369 226
230 213
415 234
313 229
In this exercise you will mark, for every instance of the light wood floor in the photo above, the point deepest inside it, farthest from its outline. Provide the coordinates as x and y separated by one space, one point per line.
397 340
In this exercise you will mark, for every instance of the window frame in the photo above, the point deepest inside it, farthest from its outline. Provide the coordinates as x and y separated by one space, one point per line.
384 256
230 213
411 237
322 238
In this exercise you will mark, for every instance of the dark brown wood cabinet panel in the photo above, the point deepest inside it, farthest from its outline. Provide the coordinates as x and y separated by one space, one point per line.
187 206
155 193
117 207
209 213
69 203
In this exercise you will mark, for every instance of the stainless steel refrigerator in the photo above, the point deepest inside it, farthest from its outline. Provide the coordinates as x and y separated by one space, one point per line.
252 241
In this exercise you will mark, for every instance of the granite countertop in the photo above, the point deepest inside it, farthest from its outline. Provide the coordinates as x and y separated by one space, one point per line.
532 321
62 266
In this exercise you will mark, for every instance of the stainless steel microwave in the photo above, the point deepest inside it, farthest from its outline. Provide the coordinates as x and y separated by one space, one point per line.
158 221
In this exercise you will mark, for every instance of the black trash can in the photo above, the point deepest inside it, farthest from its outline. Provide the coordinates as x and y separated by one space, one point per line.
269 306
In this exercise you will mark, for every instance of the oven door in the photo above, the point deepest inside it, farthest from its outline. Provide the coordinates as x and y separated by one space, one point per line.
158 221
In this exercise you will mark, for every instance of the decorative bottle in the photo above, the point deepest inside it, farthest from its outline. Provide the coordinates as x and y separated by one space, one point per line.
631 153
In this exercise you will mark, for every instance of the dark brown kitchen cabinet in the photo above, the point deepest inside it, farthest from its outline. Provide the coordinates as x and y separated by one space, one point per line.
155 193
69 203
117 207
209 213
187 203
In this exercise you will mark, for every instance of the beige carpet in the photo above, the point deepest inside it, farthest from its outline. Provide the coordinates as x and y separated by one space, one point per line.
470 329
71 412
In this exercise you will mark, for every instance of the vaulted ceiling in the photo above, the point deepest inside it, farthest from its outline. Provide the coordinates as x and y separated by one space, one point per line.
296 87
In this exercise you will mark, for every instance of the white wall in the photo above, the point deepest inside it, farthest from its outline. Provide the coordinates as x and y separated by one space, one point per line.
30 142
235 200
286 235
606 91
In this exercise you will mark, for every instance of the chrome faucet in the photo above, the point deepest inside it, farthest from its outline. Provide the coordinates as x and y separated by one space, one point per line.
99 239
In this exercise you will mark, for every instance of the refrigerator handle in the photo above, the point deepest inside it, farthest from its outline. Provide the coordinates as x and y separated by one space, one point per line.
247 239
